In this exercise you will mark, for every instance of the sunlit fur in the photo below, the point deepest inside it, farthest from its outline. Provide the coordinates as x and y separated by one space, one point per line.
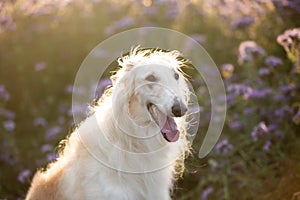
91 166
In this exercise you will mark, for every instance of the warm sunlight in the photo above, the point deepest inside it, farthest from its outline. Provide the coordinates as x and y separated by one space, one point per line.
254 46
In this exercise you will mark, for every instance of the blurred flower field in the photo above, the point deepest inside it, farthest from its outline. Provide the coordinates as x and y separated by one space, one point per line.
255 44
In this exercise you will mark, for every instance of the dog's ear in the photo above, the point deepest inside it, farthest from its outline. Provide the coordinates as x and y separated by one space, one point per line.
121 74
125 66
128 83
125 63
124 84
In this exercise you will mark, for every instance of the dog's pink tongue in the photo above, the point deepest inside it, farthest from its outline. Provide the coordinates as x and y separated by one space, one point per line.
168 128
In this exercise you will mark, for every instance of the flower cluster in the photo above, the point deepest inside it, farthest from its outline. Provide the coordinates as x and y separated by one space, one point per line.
261 79
290 41
248 51
223 147
261 130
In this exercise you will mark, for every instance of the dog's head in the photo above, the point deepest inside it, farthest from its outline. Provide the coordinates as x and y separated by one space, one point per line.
156 89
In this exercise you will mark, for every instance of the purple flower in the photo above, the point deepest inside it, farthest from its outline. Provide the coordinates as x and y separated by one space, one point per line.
9 125
52 157
289 38
125 22
6 22
247 92
23 175
258 94
267 145
259 131
294 33
288 6
214 164
40 66
272 127
242 22
283 112
240 90
287 89
223 147
285 41
102 85
206 192
39 121
52 132
264 71
227 70
46 148
248 51
4 95
7 113
236 125
290 41
273 61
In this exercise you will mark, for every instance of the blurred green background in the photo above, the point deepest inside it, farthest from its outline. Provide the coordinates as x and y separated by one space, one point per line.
43 42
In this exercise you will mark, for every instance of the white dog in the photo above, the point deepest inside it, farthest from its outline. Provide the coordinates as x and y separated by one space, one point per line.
133 144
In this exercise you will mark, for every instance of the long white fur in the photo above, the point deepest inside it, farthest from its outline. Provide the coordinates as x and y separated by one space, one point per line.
99 160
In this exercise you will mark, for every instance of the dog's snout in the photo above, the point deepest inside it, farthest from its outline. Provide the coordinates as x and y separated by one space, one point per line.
178 109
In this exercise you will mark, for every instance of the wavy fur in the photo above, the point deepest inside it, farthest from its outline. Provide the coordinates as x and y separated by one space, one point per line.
101 161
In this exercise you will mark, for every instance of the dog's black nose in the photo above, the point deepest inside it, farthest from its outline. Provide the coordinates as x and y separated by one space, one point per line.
178 109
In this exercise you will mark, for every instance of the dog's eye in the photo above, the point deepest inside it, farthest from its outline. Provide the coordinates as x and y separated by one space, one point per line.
151 78
176 75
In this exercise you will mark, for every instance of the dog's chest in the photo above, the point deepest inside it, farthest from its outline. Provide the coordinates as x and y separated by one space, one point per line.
111 184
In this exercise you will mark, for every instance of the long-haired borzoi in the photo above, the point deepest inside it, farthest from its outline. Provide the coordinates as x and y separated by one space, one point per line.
133 144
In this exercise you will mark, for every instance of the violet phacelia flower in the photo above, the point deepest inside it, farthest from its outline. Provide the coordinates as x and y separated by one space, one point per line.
249 51
223 147
259 131
243 22
273 61
264 71
240 90
23 175
205 194
4 95
9 125
290 41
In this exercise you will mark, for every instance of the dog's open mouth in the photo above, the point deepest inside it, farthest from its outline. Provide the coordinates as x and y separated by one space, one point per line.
166 124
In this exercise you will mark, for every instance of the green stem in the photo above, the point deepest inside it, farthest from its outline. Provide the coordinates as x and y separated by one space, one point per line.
226 188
